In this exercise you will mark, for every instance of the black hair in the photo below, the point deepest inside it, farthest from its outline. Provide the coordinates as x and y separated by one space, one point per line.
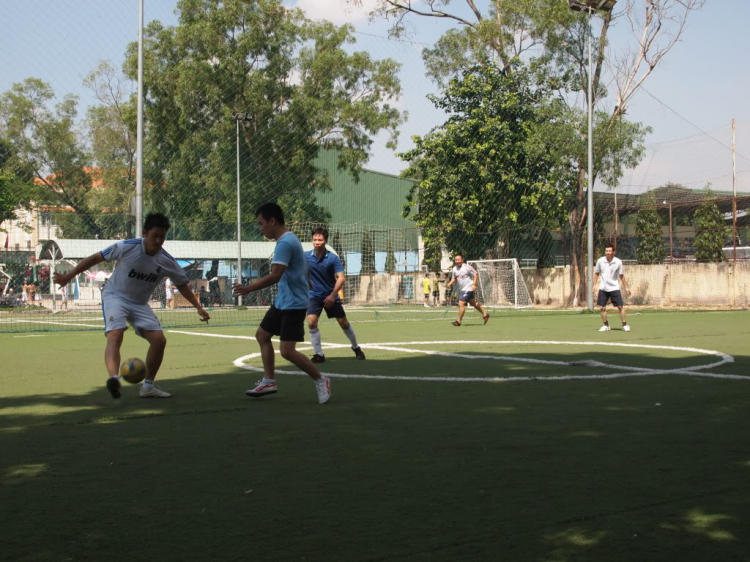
609 245
459 254
322 231
270 211
156 220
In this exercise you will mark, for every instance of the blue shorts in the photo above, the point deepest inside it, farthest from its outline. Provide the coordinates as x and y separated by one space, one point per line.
316 308
118 313
466 296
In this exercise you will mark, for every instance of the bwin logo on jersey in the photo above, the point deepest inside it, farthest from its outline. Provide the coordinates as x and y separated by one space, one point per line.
148 277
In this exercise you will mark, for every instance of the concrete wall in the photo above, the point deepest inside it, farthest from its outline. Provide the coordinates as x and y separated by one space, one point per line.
700 284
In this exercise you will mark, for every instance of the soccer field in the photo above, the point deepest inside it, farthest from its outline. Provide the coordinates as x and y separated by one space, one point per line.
533 438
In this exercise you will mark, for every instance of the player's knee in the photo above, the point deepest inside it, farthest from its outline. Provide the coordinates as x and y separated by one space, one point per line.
287 351
262 336
344 323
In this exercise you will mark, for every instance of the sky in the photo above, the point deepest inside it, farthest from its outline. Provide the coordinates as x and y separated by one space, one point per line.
689 100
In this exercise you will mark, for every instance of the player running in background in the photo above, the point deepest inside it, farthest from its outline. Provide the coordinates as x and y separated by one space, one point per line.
326 278
610 269
286 317
141 266
466 278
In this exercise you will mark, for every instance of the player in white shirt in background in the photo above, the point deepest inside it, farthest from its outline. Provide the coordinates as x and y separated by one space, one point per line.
609 268
466 278
141 266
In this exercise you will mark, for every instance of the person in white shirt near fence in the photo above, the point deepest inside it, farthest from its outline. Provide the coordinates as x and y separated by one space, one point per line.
609 269
466 278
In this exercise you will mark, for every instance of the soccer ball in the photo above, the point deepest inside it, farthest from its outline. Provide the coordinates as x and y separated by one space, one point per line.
133 370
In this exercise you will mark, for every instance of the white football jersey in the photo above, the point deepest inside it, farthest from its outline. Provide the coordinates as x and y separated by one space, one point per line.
464 277
609 273
137 274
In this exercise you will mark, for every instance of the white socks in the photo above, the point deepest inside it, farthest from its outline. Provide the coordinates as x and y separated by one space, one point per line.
315 339
352 336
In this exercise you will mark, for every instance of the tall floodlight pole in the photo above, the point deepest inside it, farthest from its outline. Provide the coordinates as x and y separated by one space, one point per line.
590 6
139 133
237 118
239 212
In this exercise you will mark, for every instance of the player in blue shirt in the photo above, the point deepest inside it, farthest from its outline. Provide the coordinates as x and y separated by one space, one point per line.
141 266
326 279
286 317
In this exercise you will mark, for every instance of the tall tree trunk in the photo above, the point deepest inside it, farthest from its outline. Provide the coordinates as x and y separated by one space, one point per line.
577 220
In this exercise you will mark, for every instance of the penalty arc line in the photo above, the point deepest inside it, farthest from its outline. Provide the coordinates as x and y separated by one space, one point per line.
397 346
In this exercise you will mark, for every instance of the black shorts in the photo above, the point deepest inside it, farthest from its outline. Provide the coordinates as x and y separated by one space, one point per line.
316 307
435 293
288 324
606 296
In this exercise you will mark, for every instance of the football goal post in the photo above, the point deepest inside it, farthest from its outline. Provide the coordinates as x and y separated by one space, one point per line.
501 284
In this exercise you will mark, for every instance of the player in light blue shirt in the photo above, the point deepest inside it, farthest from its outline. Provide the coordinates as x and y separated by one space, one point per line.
326 279
286 317
141 266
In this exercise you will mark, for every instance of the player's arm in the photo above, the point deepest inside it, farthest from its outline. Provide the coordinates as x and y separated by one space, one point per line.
596 283
85 264
330 299
277 270
187 292
624 284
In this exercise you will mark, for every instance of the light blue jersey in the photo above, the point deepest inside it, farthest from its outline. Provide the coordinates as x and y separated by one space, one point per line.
293 285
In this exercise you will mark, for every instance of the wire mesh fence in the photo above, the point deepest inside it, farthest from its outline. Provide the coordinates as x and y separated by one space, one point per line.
251 102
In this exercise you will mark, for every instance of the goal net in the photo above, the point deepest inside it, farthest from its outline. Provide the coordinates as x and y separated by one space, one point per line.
501 284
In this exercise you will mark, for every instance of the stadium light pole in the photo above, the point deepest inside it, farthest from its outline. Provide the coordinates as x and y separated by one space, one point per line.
590 6
237 118
139 133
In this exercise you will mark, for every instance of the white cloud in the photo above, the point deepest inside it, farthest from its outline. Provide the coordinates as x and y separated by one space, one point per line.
337 11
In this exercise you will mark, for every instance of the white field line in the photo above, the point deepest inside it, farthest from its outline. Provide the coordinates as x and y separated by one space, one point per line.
61 323
398 347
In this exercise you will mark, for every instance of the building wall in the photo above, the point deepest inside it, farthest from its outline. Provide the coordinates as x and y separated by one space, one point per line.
686 284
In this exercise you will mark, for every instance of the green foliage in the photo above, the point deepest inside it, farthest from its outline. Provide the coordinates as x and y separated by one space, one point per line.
336 245
648 229
295 82
485 171
368 254
710 232
390 259
545 249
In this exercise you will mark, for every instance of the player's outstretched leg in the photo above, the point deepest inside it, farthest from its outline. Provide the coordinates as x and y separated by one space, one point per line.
112 361
157 344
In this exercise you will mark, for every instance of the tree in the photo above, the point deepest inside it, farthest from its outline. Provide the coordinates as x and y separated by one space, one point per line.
554 41
648 229
336 245
710 231
368 254
49 155
296 88
390 259
485 171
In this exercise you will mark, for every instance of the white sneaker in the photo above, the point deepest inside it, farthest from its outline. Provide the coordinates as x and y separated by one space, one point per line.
626 328
323 386
153 391
262 388
604 329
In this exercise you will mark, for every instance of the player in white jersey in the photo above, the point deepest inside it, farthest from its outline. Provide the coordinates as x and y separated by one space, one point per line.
610 269
466 278
141 266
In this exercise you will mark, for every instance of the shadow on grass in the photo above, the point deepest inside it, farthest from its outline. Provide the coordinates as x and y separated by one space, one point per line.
632 469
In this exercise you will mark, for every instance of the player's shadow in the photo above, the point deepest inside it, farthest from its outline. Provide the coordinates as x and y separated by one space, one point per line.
448 470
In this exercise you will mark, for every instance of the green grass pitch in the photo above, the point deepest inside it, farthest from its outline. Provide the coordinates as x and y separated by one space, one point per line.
535 457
